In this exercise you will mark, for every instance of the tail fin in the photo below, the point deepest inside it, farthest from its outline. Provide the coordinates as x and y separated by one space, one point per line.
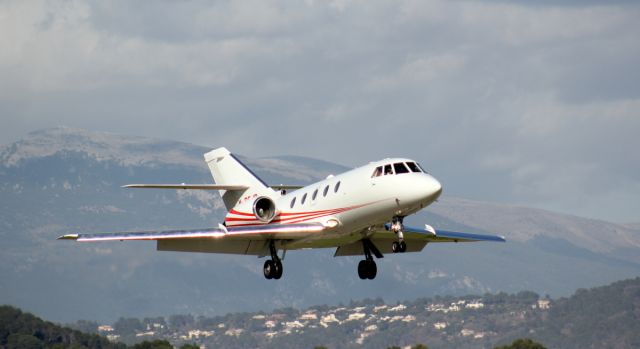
228 169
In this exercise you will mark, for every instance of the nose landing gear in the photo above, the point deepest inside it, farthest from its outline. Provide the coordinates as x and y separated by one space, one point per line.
272 268
398 246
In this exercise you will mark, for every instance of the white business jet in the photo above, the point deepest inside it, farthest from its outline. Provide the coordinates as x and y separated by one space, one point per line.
359 212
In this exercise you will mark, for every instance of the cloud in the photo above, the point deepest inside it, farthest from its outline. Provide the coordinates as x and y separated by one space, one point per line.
522 102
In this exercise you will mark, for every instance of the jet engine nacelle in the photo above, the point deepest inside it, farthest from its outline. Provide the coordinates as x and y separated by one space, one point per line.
264 209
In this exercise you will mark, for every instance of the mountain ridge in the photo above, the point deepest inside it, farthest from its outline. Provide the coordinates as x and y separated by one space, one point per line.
77 189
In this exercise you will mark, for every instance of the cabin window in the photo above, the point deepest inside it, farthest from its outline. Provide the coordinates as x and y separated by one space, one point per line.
315 193
293 202
400 168
326 190
388 170
335 190
413 167
377 172
304 197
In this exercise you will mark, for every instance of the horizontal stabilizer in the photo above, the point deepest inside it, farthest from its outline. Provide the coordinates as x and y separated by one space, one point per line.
286 187
188 186
207 186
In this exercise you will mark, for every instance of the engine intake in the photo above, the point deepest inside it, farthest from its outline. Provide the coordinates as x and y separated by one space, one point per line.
264 209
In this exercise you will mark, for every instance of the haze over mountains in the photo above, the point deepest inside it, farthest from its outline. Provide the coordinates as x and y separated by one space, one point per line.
65 180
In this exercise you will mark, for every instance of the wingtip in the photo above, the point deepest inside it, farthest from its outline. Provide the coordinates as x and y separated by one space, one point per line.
68 237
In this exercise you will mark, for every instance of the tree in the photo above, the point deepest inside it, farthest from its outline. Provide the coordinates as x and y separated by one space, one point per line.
189 346
419 346
523 343
127 326
24 341
157 344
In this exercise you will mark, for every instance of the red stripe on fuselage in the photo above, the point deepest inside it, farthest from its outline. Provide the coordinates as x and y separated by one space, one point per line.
299 216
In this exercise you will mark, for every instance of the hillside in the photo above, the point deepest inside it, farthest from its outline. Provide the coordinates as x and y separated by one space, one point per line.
65 180
25 331
603 317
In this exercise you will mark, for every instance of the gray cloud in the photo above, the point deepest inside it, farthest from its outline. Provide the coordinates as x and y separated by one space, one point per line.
515 102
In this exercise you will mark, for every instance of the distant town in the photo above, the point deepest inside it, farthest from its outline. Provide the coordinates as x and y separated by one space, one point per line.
359 323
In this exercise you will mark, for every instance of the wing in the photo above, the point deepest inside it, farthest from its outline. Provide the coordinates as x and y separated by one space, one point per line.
240 240
429 234
415 238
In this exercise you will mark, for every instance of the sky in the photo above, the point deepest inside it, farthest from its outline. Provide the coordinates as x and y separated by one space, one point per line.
531 103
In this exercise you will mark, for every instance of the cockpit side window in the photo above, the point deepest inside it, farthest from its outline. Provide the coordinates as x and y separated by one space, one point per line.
400 168
413 167
420 167
388 170
377 172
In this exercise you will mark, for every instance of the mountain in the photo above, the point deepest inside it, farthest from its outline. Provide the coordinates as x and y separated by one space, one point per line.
64 180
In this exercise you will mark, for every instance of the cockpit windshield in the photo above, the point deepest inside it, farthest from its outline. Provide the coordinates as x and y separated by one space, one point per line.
400 168
397 168
414 167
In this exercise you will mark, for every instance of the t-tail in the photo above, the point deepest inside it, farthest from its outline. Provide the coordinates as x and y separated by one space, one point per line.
226 168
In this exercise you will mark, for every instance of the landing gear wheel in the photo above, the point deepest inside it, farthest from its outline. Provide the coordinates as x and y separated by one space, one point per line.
395 247
367 269
278 270
268 269
362 269
372 270
403 246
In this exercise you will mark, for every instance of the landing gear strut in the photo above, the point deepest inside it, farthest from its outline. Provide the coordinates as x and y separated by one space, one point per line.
367 268
272 268
398 246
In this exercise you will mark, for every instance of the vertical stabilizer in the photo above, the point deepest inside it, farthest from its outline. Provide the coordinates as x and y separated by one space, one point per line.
228 169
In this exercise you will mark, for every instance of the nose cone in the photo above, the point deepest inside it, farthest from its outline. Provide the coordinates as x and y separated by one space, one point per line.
433 188
423 189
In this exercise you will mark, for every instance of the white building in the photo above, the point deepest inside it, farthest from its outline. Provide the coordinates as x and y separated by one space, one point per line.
399 307
474 305
356 316
440 325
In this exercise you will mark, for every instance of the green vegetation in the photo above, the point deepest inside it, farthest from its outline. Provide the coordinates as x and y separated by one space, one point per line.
25 331
524 343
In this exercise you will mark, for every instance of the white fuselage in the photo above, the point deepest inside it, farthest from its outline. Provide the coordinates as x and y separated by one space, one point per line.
348 203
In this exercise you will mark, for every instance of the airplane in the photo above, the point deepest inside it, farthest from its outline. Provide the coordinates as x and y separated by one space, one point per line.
359 213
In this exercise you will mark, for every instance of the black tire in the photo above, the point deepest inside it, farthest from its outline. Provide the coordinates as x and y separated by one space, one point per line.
278 270
372 270
403 246
395 247
268 269
362 269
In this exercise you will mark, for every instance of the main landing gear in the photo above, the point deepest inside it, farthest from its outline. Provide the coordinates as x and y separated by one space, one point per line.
367 268
398 246
272 267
